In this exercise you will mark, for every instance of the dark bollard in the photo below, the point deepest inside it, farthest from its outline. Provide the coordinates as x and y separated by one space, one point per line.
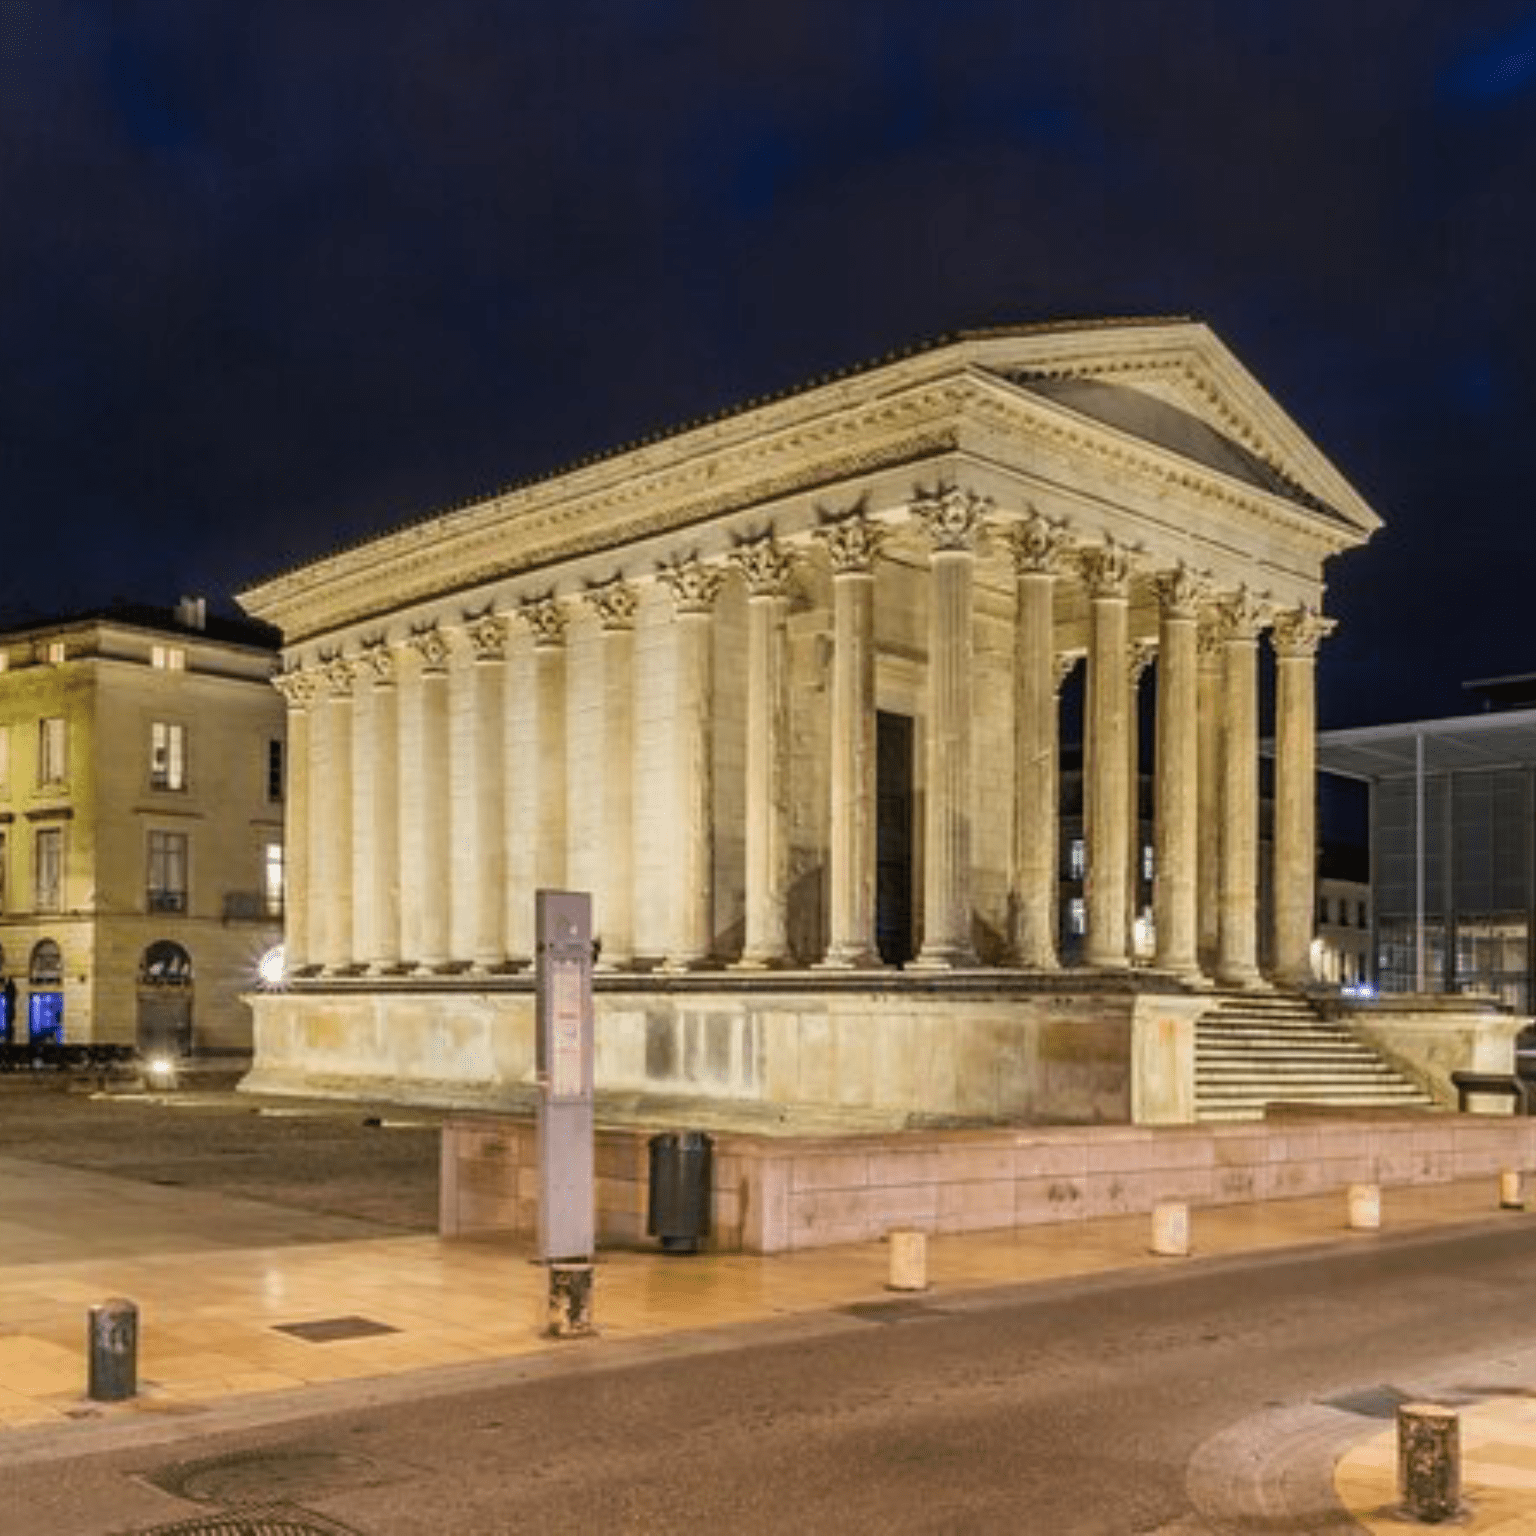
570 1300
1429 1461
114 1351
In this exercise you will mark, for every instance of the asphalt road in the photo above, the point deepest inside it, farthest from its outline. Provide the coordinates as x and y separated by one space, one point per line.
1073 1408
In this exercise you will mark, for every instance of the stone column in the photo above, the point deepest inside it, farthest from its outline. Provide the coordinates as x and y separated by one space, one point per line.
383 940
1177 785
1141 656
299 689
694 587
1037 556
615 604
546 620
1295 636
431 816
336 869
953 519
1107 573
1208 790
767 569
852 543
1242 617
488 638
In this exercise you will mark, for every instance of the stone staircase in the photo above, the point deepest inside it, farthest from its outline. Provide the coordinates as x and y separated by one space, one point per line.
1258 1048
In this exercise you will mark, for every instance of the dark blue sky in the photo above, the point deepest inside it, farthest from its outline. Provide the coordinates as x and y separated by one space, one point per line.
275 276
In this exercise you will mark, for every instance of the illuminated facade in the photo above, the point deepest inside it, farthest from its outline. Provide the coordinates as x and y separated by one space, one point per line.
783 690
141 787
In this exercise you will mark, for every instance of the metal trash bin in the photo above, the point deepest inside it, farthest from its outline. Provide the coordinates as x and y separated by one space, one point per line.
680 1188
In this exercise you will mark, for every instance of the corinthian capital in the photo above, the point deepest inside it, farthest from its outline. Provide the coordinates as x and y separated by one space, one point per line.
1141 655
377 659
1242 615
952 516
693 585
852 543
1039 544
431 644
488 635
299 686
1297 632
614 603
1182 592
1106 569
766 566
545 618
339 672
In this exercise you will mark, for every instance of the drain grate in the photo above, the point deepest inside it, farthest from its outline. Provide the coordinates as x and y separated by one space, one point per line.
901 1311
265 1520
327 1330
1370 1403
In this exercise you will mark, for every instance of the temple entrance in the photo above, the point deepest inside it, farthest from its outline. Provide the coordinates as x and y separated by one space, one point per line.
165 1000
893 837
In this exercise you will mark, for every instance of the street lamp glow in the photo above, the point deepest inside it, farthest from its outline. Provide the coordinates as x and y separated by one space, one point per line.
270 968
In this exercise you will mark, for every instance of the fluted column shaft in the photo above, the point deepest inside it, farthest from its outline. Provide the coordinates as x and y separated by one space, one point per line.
1036 715
1295 636
615 605
952 518
766 569
298 689
435 821
1211 700
1108 576
694 588
547 759
1237 958
337 830
383 944
851 544
1177 814
488 636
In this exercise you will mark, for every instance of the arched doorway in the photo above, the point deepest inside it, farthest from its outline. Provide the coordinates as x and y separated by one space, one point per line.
7 1003
165 1000
45 1005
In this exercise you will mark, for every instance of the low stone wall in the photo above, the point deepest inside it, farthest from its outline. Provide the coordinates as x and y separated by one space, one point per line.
774 1195
965 1047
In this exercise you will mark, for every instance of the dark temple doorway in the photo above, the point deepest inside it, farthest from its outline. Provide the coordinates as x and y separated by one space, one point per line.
893 837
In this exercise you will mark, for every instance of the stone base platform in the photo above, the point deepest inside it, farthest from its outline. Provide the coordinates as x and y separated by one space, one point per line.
1072 1047
778 1194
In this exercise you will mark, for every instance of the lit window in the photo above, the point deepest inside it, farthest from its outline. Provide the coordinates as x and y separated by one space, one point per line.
167 756
5 755
52 754
274 770
272 879
168 658
48 870
167 882
55 653
5 661
1077 859
1077 916
1148 862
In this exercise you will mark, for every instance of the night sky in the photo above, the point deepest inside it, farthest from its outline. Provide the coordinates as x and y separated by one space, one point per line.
279 274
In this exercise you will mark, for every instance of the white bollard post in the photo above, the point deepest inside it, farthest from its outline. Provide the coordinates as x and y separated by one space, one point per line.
1170 1229
909 1259
1511 1190
1364 1207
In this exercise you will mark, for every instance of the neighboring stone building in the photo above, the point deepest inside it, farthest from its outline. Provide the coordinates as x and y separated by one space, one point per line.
782 690
141 843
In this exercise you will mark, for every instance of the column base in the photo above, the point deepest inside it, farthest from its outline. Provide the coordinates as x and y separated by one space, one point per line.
1247 978
1109 962
943 959
762 962
850 960
683 964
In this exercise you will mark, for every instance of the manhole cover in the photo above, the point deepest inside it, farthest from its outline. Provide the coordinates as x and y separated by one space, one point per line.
268 1520
1370 1402
327 1330
245 1479
900 1311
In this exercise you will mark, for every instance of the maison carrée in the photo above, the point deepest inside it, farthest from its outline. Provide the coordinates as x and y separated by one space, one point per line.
789 692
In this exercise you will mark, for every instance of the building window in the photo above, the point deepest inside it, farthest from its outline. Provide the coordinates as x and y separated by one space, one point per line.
167 881
1077 916
5 755
55 653
52 750
1148 862
1077 859
1361 915
168 658
272 879
48 871
167 756
274 770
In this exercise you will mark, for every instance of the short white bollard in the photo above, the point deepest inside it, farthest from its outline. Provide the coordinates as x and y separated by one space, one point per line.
1511 1190
909 1259
1364 1207
1170 1229
1428 1461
